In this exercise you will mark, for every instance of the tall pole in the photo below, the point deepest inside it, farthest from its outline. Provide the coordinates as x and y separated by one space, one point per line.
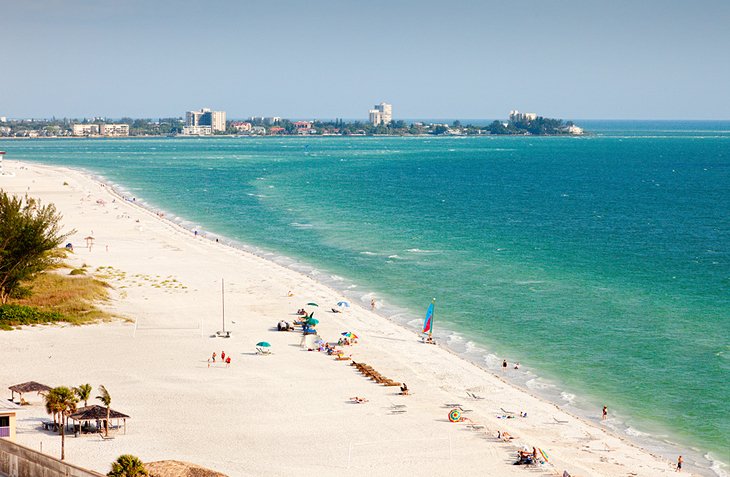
223 304
433 315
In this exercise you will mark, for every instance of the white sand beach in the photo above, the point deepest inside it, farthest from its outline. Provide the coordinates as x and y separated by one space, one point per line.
288 413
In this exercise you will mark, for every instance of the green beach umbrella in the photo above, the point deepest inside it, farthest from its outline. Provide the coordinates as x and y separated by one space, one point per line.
263 344
312 304
313 321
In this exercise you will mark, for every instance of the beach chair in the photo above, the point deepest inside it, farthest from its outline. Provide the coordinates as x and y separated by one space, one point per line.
260 350
558 421
342 357
474 396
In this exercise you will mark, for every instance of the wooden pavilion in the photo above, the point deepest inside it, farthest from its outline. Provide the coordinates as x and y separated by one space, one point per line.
29 387
98 414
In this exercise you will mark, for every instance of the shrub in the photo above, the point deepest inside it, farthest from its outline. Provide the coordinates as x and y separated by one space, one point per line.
17 315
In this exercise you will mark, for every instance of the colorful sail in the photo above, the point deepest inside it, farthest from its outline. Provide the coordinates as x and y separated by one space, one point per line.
428 322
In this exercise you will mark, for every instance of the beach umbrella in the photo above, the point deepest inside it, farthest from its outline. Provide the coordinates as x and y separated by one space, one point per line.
455 415
313 321
263 344
343 304
349 334
312 304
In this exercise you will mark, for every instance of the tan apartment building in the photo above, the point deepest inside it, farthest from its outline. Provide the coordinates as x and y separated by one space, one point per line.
100 129
196 121
381 114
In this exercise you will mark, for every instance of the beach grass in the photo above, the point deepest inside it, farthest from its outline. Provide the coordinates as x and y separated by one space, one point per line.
70 298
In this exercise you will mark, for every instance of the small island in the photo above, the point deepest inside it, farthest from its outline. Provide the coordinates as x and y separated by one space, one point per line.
532 124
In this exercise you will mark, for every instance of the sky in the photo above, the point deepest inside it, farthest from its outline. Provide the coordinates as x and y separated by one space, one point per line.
570 59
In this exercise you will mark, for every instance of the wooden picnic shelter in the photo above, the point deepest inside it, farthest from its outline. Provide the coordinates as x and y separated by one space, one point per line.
29 387
98 414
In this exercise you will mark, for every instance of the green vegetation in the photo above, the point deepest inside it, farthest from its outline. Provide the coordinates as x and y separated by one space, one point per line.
83 392
106 400
18 315
29 232
128 466
61 403
539 126
56 298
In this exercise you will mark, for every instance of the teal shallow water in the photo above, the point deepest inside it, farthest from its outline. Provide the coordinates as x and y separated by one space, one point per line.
602 264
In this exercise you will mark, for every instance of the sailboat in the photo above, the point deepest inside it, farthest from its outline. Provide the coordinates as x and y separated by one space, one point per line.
428 323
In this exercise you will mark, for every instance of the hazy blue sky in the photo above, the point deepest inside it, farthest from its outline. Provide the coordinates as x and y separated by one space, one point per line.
453 59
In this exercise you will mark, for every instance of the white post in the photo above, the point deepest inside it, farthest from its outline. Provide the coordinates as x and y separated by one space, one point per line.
134 333
349 454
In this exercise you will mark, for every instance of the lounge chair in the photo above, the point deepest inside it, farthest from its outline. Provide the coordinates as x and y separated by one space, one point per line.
260 350
474 396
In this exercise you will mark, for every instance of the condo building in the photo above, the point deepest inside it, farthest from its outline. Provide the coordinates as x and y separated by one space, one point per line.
100 129
381 114
518 116
204 122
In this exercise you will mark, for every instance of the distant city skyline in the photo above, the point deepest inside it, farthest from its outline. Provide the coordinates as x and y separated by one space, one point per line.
656 59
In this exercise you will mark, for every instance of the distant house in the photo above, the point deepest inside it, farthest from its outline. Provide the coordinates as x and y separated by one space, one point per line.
7 419
258 130
242 126
276 130
575 130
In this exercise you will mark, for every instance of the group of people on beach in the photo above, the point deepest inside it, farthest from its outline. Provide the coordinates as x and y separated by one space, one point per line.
224 359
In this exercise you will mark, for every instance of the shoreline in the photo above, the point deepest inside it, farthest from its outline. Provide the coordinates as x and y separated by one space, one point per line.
463 362
552 393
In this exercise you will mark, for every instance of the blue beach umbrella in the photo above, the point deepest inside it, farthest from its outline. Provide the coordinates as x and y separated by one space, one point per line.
263 344
343 304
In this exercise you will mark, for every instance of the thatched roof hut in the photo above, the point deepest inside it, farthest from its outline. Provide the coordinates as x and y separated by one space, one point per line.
29 387
176 468
98 413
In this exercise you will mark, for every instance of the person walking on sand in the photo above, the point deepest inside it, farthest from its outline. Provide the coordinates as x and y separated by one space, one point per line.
504 365
372 303
679 464
604 415
223 355
228 362
214 355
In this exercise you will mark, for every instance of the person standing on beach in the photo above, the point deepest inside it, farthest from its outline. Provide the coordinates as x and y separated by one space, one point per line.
223 355
679 464
372 303
504 365
604 416
214 355
228 362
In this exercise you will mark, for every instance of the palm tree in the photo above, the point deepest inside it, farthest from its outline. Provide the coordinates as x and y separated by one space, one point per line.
61 401
105 399
127 466
83 392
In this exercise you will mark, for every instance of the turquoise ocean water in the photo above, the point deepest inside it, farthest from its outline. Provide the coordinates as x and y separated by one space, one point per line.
600 263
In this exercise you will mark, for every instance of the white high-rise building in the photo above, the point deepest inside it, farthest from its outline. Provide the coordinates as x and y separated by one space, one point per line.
515 115
381 114
216 120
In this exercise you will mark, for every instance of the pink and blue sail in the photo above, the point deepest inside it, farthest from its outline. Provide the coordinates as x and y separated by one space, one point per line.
428 322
